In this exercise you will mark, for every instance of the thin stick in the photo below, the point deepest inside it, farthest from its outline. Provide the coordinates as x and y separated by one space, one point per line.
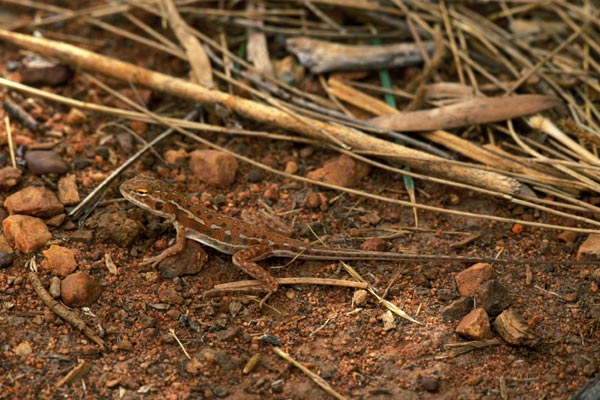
314 377
11 146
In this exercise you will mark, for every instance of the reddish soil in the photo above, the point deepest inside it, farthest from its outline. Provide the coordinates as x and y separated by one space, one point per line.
316 325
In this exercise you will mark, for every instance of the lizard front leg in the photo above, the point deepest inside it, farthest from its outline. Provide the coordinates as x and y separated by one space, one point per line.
245 259
171 251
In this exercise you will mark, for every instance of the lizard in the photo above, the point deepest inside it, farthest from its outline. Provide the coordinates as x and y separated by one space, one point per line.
248 243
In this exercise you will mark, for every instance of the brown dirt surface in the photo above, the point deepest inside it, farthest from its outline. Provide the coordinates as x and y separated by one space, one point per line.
166 339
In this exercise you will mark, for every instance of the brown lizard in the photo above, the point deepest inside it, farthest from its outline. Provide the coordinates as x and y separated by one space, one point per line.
248 243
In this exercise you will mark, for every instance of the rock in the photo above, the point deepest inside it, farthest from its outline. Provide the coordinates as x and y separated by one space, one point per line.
23 349
342 170
213 167
79 290
80 163
567 236
34 200
7 256
59 260
9 176
82 236
255 175
430 383
175 157
125 141
373 244
54 288
190 261
6 259
315 200
458 308
493 297
38 71
167 293
42 162
27 233
590 248
115 227
511 327
56 221
75 117
291 167
67 190
469 280
359 298
475 325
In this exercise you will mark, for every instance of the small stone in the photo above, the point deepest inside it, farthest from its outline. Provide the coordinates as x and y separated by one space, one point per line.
475 325
175 157
458 308
79 290
291 167
188 262
430 383
76 117
389 321
34 200
567 236
511 327
81 163
9 176
115 227
38 71
67 190
373 244
59 260
54 288
42 162
469 280
56 221
167 293
23 349
271 193
228 334
342 171
306 152
213 167
359 298
255 175
493 297
82 236
590 248
125 141
27 233
6 259
570 297
312 200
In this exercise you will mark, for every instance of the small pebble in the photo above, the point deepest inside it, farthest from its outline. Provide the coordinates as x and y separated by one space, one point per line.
79 290
42 162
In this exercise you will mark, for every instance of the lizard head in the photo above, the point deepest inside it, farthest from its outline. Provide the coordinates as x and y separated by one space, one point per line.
150 194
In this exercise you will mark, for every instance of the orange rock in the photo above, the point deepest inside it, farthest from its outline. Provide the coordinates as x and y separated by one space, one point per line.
342 170
213 167
475 325
27 233
469 280
34 200
79 290
59 260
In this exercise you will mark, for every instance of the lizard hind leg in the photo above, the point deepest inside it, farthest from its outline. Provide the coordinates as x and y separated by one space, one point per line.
171 251
245 259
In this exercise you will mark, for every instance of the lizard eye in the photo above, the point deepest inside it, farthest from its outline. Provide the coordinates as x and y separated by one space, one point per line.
141 191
